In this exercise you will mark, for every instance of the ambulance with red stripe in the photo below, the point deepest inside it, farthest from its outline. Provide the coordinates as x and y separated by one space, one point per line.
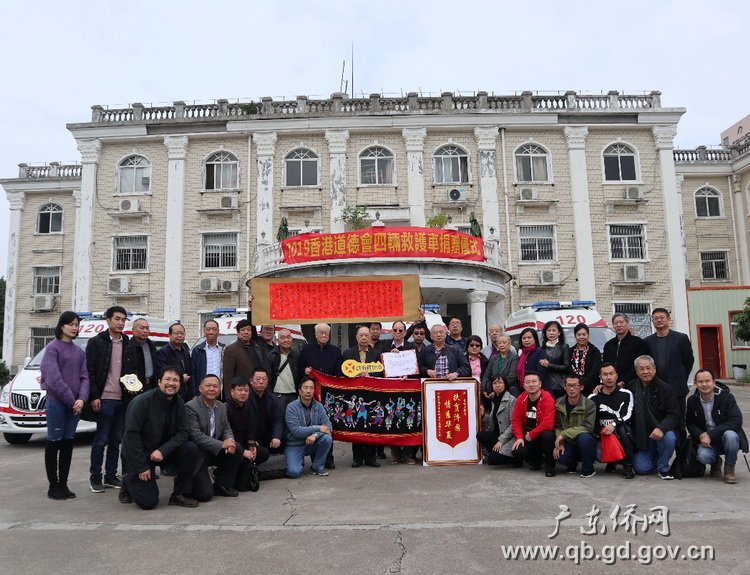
568 313
22 401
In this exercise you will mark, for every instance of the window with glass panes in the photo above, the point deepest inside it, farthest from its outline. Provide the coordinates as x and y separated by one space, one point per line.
707 203
222 172
301 168
47 280
40 337
627 242
134 175
130 253
531 164
376 166
714 266
49 220
619 163
220 250
537 243
451 165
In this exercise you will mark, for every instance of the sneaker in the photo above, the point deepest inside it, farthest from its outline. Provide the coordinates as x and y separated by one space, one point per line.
666 475
96 485
628 472
113 482
410 461
321 473
587 475
572 469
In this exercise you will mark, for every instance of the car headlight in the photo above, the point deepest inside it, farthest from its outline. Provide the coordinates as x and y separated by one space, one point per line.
5 394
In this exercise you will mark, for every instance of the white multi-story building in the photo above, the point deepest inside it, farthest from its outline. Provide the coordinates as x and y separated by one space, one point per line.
173 209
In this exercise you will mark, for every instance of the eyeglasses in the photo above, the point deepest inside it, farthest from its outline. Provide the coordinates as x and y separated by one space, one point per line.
397 329
474 345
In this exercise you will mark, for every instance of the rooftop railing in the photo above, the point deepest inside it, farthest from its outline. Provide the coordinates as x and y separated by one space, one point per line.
48 171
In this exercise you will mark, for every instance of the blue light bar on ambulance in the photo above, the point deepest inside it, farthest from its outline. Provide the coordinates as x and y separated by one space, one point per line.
563 304
83 314
430 306
220 310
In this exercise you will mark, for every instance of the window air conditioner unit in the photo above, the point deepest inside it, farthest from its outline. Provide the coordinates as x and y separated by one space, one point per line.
229 202
457 195
227 285
145 181
529 194
210 284
633 193
119 285
549 277
44 302
129 205
633 273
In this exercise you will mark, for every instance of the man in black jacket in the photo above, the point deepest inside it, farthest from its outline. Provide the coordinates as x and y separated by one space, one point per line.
442 361
141 356
284 374
240 418
177 353
714 421
105 355
156 432
266 416
655 418
207 356
623 349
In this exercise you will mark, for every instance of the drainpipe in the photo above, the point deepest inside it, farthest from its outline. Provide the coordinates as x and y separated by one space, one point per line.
511 308
248 259
734 232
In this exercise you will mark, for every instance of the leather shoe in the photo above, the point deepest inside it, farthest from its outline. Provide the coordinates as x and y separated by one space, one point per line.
550 473
225 491
182 500
356 463
329 463
371 463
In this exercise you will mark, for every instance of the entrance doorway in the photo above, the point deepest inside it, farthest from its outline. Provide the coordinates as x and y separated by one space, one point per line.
709 349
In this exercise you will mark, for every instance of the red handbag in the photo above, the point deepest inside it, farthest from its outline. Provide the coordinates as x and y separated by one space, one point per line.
612 450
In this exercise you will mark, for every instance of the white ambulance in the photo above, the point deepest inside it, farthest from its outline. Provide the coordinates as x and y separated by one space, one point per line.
22 401
568 313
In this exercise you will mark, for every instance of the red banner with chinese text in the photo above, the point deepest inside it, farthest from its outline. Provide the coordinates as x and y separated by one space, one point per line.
400 242
452 409
348 299
372 410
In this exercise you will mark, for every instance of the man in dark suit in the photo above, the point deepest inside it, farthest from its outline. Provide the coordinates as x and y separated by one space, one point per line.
266 417
673 355
207 356
177 353
210 430
141 355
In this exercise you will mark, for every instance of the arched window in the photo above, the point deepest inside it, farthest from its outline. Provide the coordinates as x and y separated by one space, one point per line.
134 176
619 164
301 167
707 203
222 169
49 219
451 165
376 166
532 164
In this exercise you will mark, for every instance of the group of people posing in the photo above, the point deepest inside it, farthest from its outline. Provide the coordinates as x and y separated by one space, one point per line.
209 416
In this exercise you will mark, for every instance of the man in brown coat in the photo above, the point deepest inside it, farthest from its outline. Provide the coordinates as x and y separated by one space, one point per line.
241 357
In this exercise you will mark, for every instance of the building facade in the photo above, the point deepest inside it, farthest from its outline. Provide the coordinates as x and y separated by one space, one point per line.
173 209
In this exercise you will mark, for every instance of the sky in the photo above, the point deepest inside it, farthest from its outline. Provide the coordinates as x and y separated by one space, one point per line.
57 59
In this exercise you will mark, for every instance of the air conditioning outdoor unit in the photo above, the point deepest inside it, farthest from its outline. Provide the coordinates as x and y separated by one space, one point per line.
129 205
457 195
549 277
44 302
529 194
119 285
634 193
210 284
633 272
227 285
229 202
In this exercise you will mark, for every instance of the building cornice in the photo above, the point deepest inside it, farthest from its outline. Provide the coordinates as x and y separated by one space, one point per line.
176 147
486 137
265 142
90 150
575 136
664 136
337 140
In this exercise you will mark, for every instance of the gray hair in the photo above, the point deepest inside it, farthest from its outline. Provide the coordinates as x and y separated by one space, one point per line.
646 358
622 315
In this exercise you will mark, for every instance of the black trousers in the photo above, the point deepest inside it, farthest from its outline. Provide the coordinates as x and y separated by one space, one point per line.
488 439
145 494
227 465
362 452
533 452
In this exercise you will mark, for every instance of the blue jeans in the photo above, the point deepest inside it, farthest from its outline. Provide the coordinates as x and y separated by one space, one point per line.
61 421
318 451
656 455
109 430
583 449
730 446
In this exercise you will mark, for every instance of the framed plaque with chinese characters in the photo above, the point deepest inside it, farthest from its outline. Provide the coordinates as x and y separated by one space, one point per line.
451 421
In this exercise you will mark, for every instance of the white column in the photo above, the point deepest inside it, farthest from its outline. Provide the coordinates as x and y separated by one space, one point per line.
486 143
265 144
663 137
414 138
89 150
337 140
478 312
739 218
176 152
579 187
16 201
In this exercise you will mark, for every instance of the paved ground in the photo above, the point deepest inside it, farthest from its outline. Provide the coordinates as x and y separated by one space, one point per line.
396 519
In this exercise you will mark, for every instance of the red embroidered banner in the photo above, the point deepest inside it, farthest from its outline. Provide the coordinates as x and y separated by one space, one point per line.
372 410
452 409
345 299
401 242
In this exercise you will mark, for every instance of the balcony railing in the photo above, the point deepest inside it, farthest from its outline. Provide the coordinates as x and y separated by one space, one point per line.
48 171
341 104
269 257
704 155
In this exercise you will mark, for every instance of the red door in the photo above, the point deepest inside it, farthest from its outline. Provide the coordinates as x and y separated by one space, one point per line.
710 349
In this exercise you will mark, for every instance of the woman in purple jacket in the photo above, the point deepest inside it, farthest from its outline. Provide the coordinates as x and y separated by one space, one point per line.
66 380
